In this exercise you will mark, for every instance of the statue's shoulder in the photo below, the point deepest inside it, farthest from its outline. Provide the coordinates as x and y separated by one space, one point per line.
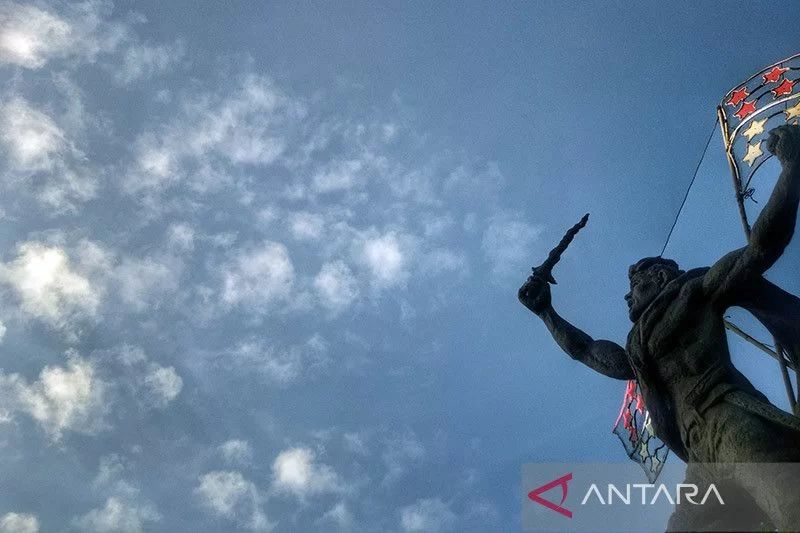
695 273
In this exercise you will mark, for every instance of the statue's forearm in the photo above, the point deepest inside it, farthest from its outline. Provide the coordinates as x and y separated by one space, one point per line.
571 339
603 356
774 227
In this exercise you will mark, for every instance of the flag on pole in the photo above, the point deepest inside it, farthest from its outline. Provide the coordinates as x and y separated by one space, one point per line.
748 112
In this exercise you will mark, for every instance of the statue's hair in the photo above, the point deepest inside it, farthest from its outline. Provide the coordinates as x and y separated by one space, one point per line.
659 263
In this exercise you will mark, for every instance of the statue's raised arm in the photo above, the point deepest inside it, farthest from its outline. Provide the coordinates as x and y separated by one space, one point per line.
773 229
606 357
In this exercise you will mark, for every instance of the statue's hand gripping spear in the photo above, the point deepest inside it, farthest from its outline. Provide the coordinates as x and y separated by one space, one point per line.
535 292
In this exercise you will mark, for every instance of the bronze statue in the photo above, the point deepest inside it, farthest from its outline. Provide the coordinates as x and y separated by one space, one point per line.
701 405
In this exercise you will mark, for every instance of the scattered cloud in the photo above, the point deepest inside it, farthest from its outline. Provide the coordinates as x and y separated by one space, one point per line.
19 523
278 364
34 145
118 516
400 453
162 384
386 257
64 398
297 471
258 276
142 283
306 226
428 515
236 451
31 138
340 516
507 243
336 286
30 36
49 287
213 133
181 237
338 175
281 366
227 494
124 510
155 385
143 61
440 261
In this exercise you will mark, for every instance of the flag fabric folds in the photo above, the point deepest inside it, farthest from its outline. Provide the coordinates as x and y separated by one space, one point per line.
634 429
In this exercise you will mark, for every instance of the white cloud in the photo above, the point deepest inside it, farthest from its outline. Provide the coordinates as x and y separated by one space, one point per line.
336 286
259 276
295 470
154 384
70 398
181 237
31 138
444 261
508 243
386 258
279 366
34 143
2 330
30 36
49 287
339 515
227 494
109 475
162 384
236 451
401 452
428 515
245 126
142 61
118 516
355 442
19 523
306 226
338 175
142 283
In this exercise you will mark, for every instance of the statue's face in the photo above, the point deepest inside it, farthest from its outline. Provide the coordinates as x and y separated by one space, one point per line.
645 286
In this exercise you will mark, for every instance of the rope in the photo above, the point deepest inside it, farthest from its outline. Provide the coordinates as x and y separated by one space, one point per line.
691 184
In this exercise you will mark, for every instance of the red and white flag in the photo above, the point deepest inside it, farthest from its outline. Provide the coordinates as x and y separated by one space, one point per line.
748 112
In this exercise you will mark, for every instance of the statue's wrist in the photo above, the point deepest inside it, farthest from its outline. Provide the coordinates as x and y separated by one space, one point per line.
546 313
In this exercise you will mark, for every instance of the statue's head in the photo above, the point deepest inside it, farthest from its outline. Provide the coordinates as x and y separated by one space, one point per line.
648 277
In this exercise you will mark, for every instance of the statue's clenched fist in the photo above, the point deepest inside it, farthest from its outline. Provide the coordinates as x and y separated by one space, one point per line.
535 294
784 142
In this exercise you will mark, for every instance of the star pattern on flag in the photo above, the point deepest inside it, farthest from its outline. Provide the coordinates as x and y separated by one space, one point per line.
737 96
756 128
793 112
774 75
644 452
746 109
753 153
783 88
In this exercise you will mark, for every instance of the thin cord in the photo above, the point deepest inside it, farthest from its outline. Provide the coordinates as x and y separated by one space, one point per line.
685 196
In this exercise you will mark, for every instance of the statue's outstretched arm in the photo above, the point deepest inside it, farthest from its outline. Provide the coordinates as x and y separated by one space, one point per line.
606 357
773 229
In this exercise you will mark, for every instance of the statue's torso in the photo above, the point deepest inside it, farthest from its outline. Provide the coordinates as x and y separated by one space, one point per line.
679 353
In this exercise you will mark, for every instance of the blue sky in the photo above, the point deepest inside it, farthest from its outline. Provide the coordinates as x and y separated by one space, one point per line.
258 263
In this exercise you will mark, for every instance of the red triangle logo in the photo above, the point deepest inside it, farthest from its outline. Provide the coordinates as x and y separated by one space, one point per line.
535 495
